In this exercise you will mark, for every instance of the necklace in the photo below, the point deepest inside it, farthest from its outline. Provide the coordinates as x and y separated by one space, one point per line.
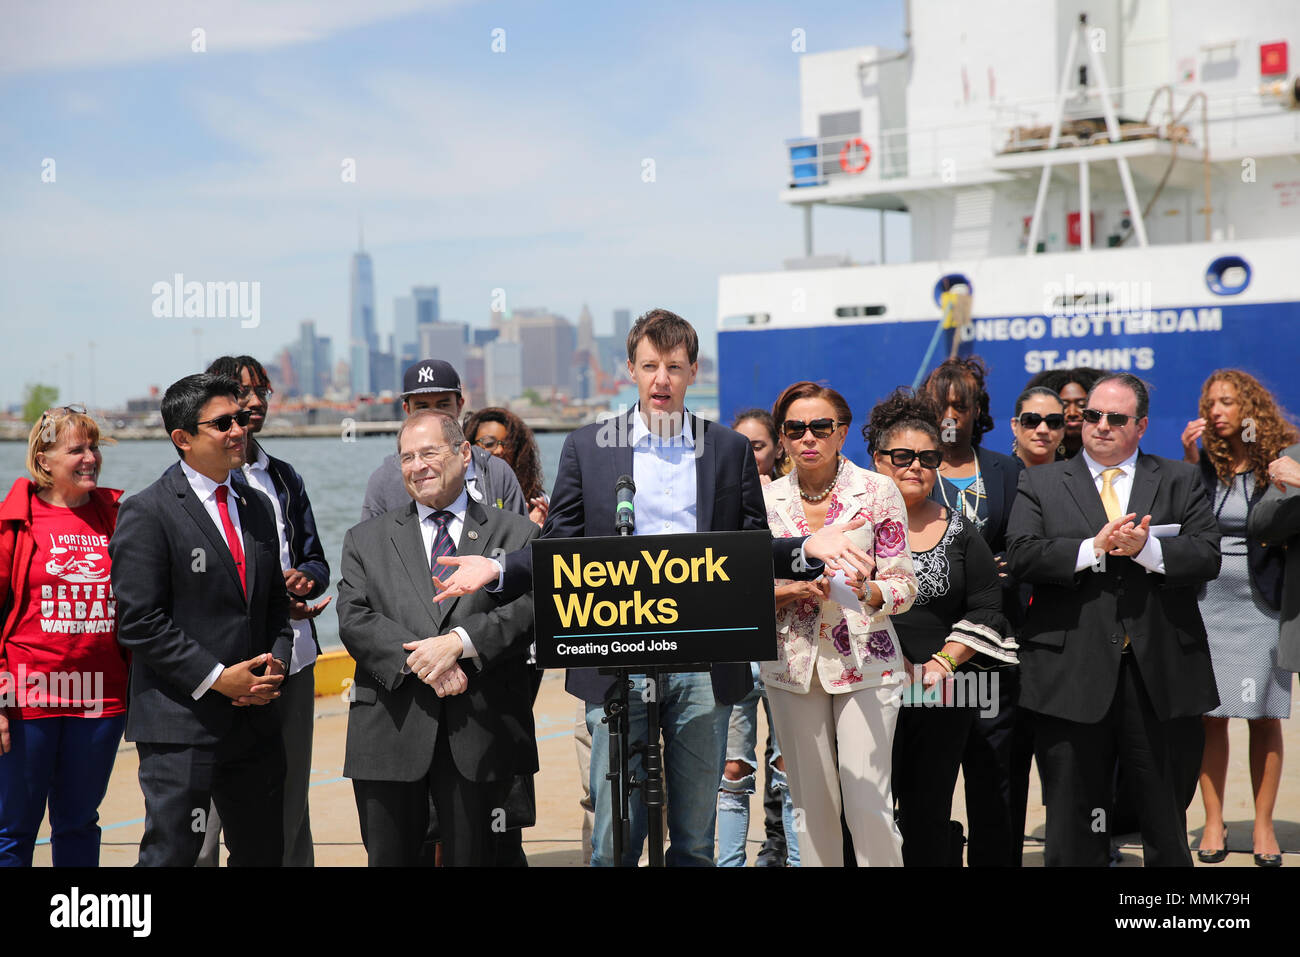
827 490
968 507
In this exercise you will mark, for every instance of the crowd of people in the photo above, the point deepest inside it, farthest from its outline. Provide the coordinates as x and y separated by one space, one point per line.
1077 602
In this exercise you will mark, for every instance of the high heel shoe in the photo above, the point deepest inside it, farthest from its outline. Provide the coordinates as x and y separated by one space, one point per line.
1217 857
1268 860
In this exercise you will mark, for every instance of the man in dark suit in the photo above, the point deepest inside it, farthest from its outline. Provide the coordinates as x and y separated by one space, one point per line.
306 576
442 699
203 609
1113 653
691 475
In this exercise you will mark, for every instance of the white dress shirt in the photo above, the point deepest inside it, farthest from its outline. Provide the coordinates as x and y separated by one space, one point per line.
206 491
258 476
663 468
1151 557
455 528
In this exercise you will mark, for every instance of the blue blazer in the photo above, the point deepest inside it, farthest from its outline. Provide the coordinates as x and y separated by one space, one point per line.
306 553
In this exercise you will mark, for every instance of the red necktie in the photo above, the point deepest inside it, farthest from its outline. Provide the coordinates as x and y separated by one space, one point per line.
232 539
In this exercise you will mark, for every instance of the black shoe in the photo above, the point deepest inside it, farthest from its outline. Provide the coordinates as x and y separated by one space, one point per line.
1268 860
1217 857
769 857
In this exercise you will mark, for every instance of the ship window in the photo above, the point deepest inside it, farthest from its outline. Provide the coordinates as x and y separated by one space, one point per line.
851 312
1082 300
751 319
836 129
1227 275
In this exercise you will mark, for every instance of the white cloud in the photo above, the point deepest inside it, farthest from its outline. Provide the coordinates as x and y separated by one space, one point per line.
74 34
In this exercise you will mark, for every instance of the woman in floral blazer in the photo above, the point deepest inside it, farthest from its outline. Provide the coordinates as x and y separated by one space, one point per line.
833 686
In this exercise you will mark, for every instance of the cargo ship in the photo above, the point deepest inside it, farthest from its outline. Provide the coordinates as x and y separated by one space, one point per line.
1104 184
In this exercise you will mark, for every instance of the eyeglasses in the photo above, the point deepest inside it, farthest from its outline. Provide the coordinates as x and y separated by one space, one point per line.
1030 420
222 423
428 456
902 458
488 442
264 392
821 428
1116 420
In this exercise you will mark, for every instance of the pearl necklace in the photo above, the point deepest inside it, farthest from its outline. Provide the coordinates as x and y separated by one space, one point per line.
826 491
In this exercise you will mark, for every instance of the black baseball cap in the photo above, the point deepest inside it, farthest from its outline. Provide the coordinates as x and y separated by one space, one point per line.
430 375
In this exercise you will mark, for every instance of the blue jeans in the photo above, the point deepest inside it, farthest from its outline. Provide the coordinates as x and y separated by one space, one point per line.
67 760
695 744
733 796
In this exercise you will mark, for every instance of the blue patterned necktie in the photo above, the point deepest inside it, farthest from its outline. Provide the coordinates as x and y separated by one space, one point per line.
442 543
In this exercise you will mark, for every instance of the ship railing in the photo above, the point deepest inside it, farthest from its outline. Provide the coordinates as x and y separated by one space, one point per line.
1235 118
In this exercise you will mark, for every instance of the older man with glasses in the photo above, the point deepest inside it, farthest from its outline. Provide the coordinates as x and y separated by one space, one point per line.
1113 651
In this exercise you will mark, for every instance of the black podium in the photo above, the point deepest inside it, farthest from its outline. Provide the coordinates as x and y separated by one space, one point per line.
652 605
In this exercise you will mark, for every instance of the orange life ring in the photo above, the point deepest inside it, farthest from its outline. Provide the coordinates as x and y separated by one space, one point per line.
844 155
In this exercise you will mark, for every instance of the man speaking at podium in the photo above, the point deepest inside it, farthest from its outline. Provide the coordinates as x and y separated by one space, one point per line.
691 475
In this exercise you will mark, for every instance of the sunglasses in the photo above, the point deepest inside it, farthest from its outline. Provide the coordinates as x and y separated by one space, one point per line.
821 428
1030 420
1116 420
222 423
263 392
488 442
61 411
902 458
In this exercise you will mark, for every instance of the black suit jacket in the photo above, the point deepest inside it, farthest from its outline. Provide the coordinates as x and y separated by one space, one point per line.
1073 635
181 610
386 599
729 497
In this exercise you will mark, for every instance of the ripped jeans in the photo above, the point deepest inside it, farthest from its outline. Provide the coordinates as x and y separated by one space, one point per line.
733 796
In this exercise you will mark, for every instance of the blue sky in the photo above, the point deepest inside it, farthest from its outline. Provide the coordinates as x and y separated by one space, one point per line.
475 170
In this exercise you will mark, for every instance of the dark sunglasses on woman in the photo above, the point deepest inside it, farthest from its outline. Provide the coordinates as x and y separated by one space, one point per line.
902 458
1030 420
821 428
488 443
222 423
1117 420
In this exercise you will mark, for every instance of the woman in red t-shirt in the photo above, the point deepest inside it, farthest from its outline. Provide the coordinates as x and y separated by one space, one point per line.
62 674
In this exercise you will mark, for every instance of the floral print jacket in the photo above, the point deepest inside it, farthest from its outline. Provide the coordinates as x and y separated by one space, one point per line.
850 648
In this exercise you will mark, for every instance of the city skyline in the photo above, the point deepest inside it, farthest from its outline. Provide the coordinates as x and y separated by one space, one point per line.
592 154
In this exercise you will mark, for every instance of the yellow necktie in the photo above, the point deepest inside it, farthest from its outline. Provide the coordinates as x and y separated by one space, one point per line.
1109 500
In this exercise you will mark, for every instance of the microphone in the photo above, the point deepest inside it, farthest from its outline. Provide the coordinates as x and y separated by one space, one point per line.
624 513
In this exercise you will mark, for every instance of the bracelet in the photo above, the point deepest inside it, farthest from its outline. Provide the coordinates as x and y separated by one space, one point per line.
946 660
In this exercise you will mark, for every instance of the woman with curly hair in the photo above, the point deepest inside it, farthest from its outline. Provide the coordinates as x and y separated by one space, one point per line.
505 435
831 687
954 629
1241 430
980 485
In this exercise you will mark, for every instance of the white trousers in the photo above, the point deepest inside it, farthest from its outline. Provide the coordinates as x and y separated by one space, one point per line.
840 744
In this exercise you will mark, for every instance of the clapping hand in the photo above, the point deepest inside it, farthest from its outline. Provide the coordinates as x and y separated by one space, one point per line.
1129 539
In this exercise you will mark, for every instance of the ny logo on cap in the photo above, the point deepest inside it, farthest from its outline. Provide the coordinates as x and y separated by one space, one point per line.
426 375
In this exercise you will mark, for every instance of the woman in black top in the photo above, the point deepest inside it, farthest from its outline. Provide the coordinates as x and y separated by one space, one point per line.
954 630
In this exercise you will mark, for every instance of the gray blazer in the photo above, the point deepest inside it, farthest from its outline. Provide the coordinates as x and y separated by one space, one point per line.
495 479
385 600
1276 519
